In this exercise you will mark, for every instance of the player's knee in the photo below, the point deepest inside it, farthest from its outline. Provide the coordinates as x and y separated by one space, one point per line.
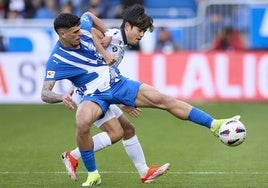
129 131
82 129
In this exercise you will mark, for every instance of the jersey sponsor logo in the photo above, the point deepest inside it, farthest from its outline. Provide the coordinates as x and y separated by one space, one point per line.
114 49
50 74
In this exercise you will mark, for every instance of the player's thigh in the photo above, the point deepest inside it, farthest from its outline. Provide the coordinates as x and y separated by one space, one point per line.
148 96
87 112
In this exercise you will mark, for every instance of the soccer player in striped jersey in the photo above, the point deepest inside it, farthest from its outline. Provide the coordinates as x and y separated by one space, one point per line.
111 133
102 140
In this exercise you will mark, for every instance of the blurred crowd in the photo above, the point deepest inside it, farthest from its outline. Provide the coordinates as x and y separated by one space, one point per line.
222 30
46 9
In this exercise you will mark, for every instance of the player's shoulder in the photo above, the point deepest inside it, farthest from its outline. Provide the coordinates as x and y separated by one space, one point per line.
86 16
86 21
117 39
114 30
115 33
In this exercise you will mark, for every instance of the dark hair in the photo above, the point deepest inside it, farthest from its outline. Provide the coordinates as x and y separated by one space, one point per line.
66 20
135 16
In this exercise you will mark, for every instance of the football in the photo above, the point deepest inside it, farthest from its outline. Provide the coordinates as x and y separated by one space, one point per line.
232 133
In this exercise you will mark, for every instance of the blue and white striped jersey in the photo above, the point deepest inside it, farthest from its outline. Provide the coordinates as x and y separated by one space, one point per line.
84 67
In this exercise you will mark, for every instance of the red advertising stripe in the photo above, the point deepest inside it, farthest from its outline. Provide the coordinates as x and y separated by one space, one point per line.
207 76
3 83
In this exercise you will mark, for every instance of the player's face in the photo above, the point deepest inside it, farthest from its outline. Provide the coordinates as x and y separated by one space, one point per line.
70 38
134 34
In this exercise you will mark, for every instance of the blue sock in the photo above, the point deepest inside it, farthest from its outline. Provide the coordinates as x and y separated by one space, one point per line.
88 160
200 117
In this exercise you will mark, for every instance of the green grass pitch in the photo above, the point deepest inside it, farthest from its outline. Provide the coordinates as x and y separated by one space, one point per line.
32 138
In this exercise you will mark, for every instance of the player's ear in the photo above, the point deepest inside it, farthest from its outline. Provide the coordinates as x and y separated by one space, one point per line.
61 33
127 26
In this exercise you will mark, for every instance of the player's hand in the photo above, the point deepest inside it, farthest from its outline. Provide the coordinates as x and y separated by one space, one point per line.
105 41
109 58
68 101
132 111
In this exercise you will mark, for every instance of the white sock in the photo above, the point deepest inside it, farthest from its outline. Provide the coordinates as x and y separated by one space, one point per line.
101 140
135 152
75 153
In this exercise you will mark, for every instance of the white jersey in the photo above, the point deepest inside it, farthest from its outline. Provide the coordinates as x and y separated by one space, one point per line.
117 46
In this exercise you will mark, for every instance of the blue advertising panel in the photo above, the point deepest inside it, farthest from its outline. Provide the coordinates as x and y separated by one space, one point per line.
28 39
258 34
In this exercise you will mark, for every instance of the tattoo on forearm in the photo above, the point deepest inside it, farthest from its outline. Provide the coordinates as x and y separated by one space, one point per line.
47 95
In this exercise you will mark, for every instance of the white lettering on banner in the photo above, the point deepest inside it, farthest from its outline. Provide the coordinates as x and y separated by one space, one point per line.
22 71
190 76
208 76
263 76
249 75
197 76
159 76
222 75
24 74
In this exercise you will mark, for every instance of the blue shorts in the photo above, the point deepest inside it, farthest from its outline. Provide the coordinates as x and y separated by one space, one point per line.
122 92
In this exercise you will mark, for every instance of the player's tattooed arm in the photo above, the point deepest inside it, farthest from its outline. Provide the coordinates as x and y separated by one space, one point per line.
47 95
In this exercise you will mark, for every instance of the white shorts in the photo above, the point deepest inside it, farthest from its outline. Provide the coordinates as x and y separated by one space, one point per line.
113 111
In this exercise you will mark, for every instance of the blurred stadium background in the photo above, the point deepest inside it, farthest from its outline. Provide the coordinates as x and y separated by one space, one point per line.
193 23
193 71
225 81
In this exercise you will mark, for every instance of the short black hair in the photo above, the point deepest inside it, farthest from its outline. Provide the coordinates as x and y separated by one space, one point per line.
66 20
135 15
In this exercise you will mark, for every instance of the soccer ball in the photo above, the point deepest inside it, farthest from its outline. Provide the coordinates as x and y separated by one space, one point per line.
232 133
